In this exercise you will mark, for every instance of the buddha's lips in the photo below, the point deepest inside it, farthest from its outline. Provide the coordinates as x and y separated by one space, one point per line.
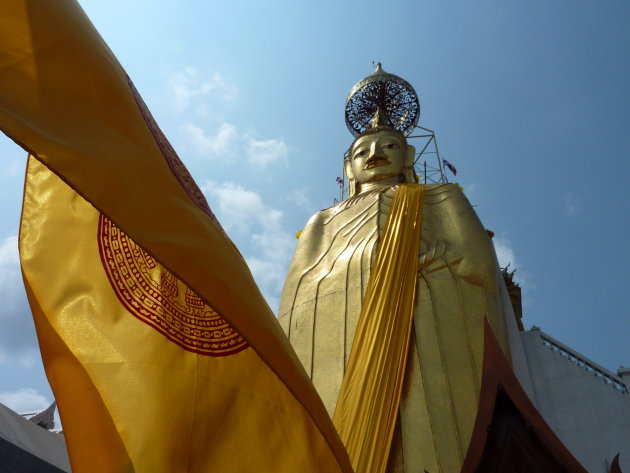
376 161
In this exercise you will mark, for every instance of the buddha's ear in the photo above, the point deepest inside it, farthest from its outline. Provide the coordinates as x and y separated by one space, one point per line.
347 167
409 172
411 154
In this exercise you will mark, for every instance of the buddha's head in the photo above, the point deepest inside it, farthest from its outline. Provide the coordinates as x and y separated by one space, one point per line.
380 154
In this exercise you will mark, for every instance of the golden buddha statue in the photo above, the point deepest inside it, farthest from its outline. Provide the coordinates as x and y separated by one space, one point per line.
457 286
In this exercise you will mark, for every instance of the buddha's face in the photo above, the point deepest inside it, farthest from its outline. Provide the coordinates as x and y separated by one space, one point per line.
377 156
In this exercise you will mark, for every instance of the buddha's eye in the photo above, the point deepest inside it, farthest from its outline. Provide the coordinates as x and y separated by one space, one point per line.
361 152
391 146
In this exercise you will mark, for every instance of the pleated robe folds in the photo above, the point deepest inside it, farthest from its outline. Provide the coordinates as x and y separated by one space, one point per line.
458 286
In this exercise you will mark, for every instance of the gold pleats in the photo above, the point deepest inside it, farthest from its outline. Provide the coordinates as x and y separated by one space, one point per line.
368 403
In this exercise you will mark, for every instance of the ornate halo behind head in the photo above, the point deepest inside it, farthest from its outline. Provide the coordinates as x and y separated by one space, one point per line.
392 94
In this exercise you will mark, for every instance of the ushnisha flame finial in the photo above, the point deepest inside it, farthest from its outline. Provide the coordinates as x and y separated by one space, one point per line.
380 119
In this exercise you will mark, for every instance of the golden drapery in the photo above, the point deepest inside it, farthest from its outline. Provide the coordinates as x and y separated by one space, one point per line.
161 351
369 399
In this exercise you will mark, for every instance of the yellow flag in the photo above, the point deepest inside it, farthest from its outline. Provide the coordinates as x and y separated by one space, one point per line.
159 347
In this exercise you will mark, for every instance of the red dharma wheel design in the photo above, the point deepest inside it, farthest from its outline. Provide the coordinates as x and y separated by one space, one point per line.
159 299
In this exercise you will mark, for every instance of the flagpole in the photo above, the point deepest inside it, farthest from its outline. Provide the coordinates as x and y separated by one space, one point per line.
439 157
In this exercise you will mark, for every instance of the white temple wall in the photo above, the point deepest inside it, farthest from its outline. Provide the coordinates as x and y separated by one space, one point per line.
587 406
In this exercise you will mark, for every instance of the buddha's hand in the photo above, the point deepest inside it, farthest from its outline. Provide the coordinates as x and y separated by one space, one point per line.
434 252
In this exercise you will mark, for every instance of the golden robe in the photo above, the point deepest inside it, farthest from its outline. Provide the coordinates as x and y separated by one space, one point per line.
458 286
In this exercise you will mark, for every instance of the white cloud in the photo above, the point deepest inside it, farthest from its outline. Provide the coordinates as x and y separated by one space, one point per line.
506 255
240 208
221 144
29 359
264 152
190 87
18 343
470 189
16 166
300 198
24 400
257 231
226 143
571 204
9 251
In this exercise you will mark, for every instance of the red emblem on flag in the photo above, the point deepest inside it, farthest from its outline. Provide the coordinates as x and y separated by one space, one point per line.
158 298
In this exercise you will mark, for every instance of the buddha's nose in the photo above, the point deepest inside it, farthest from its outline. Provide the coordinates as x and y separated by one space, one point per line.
376 150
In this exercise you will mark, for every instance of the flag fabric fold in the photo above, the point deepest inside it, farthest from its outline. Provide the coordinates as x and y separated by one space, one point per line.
450 166
162 353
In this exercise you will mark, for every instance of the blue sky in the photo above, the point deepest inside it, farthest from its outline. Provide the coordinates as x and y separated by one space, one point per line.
529 100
